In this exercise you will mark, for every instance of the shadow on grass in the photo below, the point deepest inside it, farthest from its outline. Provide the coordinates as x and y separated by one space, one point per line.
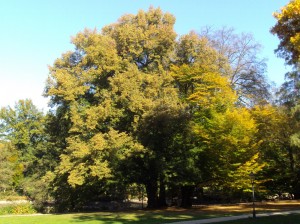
141 217
176 215
119 218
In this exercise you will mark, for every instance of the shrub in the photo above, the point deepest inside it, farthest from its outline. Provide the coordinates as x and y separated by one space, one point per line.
17 209
11 196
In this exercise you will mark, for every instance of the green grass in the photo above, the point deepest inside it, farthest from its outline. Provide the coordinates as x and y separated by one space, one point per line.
138 217
143 217
278 219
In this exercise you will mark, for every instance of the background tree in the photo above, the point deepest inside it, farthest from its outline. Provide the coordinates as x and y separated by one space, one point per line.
275 127
287 30
226 146
222 133
246 71
10 168
23 127
288 94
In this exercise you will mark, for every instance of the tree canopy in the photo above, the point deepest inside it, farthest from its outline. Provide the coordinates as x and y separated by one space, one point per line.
287 30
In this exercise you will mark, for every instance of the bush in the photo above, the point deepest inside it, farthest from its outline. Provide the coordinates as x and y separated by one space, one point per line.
11 196
17 209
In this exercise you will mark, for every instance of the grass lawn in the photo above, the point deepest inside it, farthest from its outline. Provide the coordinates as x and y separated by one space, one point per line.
166 216
138 217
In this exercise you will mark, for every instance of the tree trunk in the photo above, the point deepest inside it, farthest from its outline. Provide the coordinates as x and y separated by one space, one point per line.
186 196
162 194
291 158
152 188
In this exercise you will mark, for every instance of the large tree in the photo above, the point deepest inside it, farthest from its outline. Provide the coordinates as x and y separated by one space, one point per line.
118 104
133 104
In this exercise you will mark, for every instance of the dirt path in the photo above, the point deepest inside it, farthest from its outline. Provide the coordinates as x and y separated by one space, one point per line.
247 207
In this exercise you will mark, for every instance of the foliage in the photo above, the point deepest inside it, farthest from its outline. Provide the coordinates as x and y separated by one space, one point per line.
287 30
227 149
203 87
146 39
11 196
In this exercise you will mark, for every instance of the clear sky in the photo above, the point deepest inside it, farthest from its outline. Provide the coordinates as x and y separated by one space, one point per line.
36 32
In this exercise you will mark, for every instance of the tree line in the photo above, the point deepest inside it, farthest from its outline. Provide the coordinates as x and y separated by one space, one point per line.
135 106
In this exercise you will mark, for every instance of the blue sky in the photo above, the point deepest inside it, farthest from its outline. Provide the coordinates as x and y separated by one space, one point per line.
36 32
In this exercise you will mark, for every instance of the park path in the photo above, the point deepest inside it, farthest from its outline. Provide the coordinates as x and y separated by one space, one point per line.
21 215
230 218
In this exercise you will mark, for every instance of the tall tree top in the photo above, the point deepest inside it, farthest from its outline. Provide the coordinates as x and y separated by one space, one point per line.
147 39
287 29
